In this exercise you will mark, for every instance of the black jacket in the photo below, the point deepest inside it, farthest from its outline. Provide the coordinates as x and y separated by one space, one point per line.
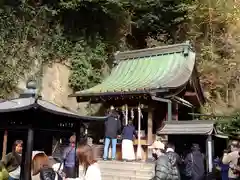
112 127
49 174
197 164
174 160
164 170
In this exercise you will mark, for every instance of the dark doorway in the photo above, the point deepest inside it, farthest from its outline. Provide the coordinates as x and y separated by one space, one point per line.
183 143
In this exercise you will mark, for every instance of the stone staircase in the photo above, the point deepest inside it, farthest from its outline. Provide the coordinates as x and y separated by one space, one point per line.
116 170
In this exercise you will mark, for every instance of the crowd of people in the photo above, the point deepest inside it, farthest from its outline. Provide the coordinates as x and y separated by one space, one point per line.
168 164
42 168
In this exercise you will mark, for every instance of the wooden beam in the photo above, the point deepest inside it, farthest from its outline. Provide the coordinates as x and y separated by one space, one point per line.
5 137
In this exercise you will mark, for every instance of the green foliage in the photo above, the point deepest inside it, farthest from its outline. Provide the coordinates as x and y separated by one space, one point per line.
26 43
87 33
88 63
153 17
210 24
229 125
29 38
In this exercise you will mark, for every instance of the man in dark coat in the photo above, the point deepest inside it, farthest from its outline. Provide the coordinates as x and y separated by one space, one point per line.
174 158
112 127
195 164
163 169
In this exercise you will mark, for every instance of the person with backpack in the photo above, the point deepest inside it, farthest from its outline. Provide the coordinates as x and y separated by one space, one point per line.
41 169
163 168
194 164
69 155
174 159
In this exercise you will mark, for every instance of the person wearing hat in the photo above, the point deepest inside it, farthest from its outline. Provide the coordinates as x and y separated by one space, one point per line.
163 167
128 134
194 163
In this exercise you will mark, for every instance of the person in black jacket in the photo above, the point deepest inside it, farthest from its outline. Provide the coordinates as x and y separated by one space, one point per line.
163 168
195 164
174 159
112 127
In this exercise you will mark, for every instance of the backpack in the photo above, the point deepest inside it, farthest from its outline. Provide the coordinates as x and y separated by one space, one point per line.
49 174
172 166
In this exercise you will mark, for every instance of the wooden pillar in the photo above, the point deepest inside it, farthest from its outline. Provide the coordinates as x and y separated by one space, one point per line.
5 137
209 154
150 132
28 156
150 126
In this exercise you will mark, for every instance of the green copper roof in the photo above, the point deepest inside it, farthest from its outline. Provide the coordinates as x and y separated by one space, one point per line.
146 70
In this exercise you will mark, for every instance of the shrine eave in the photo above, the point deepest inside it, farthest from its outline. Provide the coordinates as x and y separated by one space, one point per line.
22 104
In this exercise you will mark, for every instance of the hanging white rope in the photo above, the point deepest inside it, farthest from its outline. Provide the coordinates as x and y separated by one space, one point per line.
139 147
132 113
126 114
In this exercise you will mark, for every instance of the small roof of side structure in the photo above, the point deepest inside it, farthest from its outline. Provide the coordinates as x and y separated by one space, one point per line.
145 71
195 127
21 104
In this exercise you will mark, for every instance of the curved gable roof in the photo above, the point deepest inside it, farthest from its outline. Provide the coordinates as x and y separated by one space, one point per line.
21 104
147 70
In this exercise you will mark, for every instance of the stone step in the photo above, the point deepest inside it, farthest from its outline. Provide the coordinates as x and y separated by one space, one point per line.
118 170
113 176
132 173
125 165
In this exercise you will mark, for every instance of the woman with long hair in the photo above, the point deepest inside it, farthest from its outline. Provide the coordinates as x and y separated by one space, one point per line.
41 168
88 166
12 161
